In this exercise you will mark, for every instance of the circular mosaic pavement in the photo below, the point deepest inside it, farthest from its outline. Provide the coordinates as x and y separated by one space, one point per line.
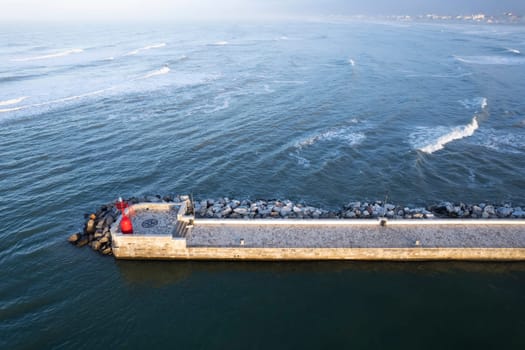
150 223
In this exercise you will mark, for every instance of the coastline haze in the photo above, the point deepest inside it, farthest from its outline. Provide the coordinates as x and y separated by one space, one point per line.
54 10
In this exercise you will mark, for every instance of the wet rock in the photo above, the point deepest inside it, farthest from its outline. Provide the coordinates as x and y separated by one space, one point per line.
109 220
226 211
489 210
518 213
90 226
82 242
477 210
349 214
95 245
74 238
504 212
241 210
389 207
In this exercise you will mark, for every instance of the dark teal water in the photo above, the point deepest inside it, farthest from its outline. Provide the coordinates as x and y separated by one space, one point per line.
320 112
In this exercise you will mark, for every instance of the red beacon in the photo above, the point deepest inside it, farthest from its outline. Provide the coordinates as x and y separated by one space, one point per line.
125 223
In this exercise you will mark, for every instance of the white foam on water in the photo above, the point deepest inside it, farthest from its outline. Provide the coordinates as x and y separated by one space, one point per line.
52 55
267 88
71 98
484 103
347 135
300 160
163 70
515 51
439 143
491 60
352 62
111 58
478 103
220 43
13 101
5 110
225 105
442 76
505 142
145 48
64 99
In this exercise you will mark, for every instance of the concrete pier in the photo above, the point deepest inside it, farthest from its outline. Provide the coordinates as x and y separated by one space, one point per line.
159 236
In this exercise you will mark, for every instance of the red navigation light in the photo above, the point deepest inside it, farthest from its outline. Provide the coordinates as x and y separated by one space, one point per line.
121 205
125 224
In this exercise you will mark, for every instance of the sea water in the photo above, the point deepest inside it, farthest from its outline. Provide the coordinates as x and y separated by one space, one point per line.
319 112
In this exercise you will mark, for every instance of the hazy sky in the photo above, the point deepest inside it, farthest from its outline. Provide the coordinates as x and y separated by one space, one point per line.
242 9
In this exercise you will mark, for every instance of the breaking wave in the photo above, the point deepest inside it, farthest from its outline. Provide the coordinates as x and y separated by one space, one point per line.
439 143
163 70
13 101
430 140
5 110
145 48
352 62
52 55
514 51
220 43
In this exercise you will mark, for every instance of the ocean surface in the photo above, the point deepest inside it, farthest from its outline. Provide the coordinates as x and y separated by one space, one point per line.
319 112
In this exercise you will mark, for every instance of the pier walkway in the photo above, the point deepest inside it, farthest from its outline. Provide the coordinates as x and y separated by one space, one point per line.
164 231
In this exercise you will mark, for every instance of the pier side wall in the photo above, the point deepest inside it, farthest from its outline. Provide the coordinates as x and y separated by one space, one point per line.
162 250
495 240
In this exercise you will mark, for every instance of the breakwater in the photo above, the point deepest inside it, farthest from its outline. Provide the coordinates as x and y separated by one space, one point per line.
97 229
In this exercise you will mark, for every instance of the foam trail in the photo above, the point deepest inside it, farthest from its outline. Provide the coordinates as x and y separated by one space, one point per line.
163 70
53 55
491 60
12 101
456 134
145 48
65 99
221 43
352 62
346 134
478 103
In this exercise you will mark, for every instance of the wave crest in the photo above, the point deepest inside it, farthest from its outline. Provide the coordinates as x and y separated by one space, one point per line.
13 101
456 133
145 48
163 70
52 55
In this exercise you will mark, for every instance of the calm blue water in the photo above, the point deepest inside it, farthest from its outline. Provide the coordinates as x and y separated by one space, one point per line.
320 112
